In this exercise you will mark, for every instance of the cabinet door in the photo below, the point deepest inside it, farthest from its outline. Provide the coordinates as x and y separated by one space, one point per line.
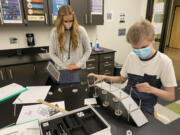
3 75
20 72
80 9
96 12
11 12
54 6
40 68
36 12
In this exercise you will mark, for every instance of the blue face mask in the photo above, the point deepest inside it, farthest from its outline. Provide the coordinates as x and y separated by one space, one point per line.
143 53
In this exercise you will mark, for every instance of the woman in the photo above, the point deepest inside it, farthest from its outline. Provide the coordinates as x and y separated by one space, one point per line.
69 43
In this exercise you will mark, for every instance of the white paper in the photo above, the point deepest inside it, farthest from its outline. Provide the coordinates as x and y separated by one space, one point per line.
139 118
32 95
22 129
10 89
157 28
120 94
97 7
129 104
90 101
106 86
159 7
39 111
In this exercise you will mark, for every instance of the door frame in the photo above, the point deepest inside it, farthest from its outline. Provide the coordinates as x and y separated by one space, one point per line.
172 23
149 13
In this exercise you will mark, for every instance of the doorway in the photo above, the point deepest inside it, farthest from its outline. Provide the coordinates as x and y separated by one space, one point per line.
165 16
172 48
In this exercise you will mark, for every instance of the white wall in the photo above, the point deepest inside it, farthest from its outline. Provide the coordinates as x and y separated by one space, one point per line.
107 34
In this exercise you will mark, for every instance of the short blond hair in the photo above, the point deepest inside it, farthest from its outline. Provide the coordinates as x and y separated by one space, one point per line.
139 31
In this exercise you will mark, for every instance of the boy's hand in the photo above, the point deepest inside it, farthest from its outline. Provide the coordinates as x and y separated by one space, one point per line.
144 87
99 77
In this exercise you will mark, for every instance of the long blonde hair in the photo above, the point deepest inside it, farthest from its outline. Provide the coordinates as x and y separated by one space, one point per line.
66 10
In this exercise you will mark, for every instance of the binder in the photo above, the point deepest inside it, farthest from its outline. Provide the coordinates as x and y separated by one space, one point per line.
10 91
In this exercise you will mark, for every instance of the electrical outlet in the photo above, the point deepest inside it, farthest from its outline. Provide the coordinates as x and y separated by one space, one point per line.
13 40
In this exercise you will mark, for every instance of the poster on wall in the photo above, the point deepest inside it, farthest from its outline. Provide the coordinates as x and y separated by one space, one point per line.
159 7
11 11
56 5
122 17
97 7
109 16
35 10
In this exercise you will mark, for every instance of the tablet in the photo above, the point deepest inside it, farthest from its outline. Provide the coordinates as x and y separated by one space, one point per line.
55 74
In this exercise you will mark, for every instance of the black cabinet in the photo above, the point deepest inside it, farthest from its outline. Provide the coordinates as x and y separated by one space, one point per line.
107 64
101 62
86 14
44 12
36 12
95 12
23 72
92 65
20 71
3 75
40 68
81 10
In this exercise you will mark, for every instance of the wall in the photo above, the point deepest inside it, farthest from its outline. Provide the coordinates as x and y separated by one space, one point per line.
107 34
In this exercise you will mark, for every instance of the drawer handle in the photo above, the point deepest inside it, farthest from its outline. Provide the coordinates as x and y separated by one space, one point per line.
10 72
107 65
106 70
91 68
91 60
34 67
52 18
2 77
86 18
107 57
90 64
46 18
106 62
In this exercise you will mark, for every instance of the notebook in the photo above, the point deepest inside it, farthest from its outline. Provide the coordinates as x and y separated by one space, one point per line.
63 76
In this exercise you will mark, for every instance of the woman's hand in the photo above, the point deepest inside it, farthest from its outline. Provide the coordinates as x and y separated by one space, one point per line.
72 67
99 77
